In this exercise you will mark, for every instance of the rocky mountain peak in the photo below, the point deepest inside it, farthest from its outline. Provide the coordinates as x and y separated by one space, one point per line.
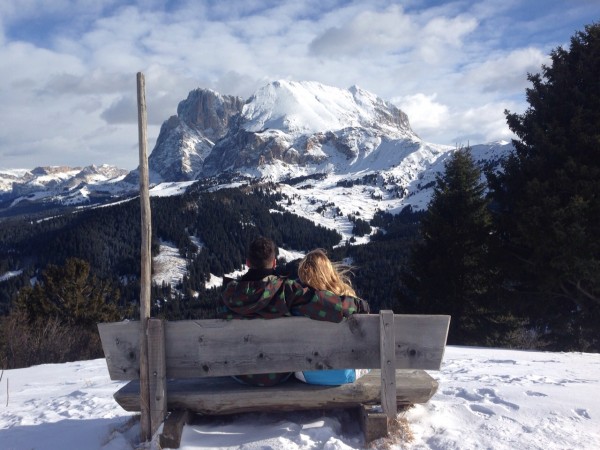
307 124
209 112
187 138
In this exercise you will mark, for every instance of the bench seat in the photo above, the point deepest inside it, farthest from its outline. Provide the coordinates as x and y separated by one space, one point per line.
223 395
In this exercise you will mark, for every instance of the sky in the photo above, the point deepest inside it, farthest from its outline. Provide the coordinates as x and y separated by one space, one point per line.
487 399
68 67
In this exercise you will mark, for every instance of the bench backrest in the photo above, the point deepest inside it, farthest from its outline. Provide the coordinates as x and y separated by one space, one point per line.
214 347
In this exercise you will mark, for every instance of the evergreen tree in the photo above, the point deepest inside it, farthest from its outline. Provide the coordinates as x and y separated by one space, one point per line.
547 197
450 271
71 294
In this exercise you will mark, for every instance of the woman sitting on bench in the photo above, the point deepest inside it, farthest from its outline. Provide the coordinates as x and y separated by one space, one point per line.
318 272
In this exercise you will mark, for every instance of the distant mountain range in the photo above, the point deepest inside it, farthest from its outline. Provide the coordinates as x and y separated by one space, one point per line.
319 141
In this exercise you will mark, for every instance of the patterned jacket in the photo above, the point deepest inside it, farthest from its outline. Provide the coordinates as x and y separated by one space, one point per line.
260 294
270 297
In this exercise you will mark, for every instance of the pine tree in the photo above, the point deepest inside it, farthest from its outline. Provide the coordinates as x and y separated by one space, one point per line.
71 294
450 266
547 197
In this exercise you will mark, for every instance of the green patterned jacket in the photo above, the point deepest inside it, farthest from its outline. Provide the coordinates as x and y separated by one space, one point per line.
270 297
273 297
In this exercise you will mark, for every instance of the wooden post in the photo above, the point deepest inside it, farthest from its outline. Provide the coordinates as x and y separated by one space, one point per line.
388 363
145 273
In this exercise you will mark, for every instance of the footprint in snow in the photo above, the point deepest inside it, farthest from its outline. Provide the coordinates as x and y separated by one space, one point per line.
501 361
482 410
472 397
535 394
583 413
491 395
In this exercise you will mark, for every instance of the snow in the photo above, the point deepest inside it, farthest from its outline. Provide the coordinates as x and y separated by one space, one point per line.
169 266
303 107
170 189
487 399
10 274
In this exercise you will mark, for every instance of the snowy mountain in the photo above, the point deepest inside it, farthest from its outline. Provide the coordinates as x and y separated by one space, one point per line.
333 144
60 185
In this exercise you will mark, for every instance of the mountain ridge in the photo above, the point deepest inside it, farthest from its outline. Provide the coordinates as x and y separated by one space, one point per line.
285 130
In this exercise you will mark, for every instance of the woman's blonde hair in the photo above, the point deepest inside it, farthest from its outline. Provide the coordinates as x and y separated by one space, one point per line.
318 272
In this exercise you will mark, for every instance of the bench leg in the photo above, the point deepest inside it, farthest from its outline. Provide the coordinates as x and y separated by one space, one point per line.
374 423
171 434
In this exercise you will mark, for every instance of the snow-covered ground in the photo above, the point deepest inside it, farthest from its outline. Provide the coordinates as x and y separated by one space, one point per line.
487 399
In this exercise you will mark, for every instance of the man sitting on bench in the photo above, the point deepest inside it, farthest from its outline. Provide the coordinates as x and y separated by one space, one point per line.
259 293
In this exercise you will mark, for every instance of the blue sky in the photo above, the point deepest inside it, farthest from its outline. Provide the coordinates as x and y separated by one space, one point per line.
69 66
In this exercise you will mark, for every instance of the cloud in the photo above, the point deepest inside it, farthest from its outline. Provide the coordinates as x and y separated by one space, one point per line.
424 113
506 73
482 124
441 35
455 126
94 82
453 67
393 31
368 31
123 110
243 85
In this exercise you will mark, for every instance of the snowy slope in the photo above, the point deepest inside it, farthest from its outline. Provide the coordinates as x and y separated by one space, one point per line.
487 399
301 108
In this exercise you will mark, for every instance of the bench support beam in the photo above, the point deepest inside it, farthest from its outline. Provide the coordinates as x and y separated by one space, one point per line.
388 364
373 422
171 434
157 373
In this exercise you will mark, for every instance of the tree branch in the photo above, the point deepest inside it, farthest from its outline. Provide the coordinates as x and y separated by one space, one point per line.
587 294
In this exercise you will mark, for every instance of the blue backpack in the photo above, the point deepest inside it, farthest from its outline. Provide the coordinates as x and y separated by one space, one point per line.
330 377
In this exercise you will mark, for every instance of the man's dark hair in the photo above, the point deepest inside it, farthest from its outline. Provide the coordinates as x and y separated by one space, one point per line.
261 253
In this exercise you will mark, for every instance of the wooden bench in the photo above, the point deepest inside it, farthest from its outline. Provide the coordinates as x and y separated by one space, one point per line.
191 363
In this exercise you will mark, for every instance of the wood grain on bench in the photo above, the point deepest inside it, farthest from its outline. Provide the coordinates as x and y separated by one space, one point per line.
210 348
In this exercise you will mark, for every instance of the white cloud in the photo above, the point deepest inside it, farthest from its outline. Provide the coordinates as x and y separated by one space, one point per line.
369 31
424 113
482 124
447 66
442 35
506 73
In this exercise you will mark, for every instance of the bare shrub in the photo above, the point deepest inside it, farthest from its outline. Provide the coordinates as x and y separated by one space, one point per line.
24 343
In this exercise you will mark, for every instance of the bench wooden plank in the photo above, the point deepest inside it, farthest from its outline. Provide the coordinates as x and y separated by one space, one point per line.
223 395
209 348
387 364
